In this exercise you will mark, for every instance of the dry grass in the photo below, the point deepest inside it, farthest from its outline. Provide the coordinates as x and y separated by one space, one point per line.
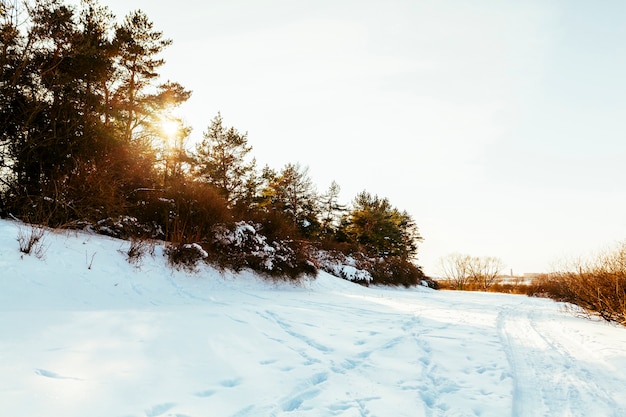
31 240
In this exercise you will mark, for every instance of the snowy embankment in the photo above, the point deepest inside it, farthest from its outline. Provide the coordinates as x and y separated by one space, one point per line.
83 332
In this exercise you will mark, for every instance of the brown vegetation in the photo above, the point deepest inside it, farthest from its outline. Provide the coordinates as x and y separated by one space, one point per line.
31 240
597 285
465 272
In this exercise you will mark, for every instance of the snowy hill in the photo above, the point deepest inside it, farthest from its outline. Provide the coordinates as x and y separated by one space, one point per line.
84 332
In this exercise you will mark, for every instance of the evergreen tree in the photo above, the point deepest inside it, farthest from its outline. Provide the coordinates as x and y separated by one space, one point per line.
167 132
55 97
221 160
331 211
138 46
13 99
292 192
74 108
382 229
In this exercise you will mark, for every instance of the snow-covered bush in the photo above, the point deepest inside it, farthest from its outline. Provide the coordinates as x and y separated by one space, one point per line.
127 227
185 255
241 245
365 270
343 266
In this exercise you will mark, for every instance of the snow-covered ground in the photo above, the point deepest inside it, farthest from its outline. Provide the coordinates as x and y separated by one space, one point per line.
83 332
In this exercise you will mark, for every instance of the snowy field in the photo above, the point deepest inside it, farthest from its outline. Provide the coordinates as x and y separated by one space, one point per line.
85 333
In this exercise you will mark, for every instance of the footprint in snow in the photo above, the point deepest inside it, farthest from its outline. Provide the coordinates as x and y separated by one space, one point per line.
54 375
230 383
295 402
159 409
205 394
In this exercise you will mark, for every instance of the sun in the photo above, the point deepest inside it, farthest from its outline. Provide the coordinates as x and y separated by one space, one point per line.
170 127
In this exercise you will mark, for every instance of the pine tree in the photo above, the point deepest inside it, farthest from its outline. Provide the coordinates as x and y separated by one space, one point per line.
138 46
382 229
166 131
331 210
14 99
292 192
74 108
221 160
56 100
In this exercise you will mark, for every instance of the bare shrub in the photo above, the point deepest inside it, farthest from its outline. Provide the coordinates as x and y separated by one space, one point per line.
31 240
465 272
548 286
510 288
137 249
597 285
455 269
484 271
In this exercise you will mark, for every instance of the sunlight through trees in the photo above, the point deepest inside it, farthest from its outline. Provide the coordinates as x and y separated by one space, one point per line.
89 134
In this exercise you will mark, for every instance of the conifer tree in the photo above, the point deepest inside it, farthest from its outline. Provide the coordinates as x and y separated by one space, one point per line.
221 160
75 108
138 47
166 131
291 191
382 229
330 210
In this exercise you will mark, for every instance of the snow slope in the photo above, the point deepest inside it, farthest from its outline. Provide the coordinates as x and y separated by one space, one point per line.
85 333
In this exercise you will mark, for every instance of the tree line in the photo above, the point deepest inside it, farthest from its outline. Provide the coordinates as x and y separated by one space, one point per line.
89 136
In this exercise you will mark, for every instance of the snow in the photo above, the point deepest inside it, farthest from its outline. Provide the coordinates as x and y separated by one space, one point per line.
84 332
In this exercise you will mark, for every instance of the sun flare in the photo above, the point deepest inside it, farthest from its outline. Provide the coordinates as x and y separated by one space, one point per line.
170 127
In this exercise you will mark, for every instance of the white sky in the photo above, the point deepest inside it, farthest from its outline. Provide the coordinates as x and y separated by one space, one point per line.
499 125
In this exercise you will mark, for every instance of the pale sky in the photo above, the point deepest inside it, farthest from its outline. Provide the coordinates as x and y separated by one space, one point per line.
500 126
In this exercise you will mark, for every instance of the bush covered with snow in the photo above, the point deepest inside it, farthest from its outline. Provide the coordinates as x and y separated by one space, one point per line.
359 268
125 227
241 245
185 255
344 266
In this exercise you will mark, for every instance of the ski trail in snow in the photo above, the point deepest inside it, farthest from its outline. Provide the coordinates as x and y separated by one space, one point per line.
518 340
585 394
548 380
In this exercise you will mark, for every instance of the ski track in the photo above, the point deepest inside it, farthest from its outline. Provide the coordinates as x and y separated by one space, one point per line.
548 379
